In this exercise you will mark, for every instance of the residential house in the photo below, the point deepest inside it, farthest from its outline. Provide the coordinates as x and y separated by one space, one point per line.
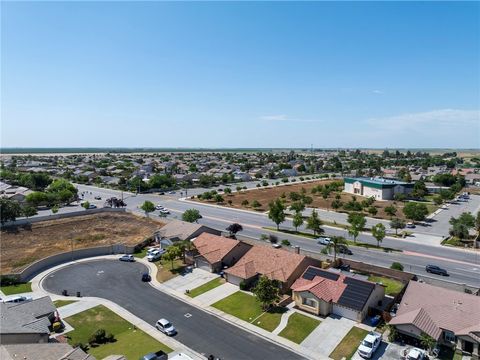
26 322
323 292
177 230
47 351
276 264
450 317
215 252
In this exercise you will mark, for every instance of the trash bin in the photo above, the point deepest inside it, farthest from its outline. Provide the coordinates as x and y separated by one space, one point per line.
64 293
78 294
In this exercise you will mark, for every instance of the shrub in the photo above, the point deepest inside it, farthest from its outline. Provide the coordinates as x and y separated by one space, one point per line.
396 266
285 242
242 285
245 203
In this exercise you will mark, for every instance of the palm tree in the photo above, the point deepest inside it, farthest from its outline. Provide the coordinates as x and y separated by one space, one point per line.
335 243
427 341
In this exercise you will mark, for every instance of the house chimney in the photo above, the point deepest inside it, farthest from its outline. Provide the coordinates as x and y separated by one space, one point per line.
297 249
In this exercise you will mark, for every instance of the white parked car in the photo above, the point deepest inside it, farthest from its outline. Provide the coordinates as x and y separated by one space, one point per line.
415 354
159 207
370 344
127 258
324 240
166 327
410 225
17 299
165 211
155 254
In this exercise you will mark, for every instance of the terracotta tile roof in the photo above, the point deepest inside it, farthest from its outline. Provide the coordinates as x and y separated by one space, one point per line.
325 289
213 247
276 264
431 309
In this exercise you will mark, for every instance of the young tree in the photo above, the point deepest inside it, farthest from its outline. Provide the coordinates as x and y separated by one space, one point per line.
85 205
233 229
297 220
9 210
266 291
172 253
378 232
285 242
191 215
415 211
55 209
335 243
396 224
390 210
461 226
297 206
396 266
314 223
276 212
29 211
148 207
372 210
357 224
256 204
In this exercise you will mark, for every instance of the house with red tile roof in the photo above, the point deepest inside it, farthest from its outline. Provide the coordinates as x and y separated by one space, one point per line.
276 264
215 252
450 317
324 292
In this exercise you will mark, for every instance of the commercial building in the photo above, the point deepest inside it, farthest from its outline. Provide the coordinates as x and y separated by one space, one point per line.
378 188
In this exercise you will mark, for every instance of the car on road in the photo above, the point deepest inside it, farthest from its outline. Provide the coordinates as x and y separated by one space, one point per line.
276 246
369 344
323 240
166 327
127 258
146 277
98 197
159 207
344 250
165 211
17 299
434 269
410 225
159 355
171 192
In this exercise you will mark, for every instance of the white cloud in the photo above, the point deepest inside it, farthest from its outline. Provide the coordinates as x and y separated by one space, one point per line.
285 118
379 92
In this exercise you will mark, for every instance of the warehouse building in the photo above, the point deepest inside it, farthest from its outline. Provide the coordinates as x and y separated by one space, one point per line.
378 188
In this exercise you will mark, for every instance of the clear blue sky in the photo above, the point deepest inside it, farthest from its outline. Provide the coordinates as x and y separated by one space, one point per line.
149 74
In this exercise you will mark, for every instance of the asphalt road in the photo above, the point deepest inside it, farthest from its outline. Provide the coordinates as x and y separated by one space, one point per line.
121 283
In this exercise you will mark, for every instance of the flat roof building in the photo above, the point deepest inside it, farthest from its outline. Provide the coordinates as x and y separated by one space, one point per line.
378 188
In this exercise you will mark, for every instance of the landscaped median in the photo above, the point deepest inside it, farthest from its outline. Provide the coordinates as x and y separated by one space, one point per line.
299 327
349 344
128 340
247 308
212 284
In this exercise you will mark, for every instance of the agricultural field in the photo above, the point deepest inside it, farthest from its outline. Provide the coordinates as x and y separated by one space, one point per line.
22 246
246 199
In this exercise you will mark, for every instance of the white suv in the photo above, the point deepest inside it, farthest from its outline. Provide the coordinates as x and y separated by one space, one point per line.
370 344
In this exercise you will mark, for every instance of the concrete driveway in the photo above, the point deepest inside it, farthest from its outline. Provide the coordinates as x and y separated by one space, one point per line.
190 280
381 353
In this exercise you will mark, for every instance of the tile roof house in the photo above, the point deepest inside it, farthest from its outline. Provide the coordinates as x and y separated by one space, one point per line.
277 264
48 351
177 230
26 322
450 317
323 292
215 252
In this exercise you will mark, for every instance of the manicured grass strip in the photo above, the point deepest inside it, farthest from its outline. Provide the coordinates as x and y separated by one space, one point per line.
130 342
393 286
349 344
299 327
212 284
141 254
240 305
60 303
271 319
16 289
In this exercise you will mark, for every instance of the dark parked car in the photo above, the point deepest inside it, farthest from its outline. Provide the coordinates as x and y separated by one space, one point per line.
159 355
146 277
433 269
345 250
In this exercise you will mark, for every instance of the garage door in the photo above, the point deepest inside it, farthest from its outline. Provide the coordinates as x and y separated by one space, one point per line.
233 279
203 264
345 312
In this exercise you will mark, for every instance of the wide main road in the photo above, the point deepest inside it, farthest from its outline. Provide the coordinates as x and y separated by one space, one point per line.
121 283
463 265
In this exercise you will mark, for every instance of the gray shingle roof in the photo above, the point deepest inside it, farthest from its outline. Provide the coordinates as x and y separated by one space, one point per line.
44 351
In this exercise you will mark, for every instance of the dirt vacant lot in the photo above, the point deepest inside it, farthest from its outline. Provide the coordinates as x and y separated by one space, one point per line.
265 195
21 247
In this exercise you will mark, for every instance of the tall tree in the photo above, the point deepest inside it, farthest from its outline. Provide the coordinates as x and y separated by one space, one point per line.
266 291
233 229
148 207
314 223
297 220
357 224
9 210
335 243
396 224
378 232
276 212
415 211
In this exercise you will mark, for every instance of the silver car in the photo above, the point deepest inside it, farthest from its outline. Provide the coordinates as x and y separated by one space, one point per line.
166 327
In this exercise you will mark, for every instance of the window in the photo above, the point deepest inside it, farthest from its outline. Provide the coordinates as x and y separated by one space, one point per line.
449 336
309 302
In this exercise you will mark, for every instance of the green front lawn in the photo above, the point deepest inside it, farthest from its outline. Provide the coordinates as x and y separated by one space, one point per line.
393 286
247 308
16 289
130 342
212 284
349 344
299 327
60 303
166 271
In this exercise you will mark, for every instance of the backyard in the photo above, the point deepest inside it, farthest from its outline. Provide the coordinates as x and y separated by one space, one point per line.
22 246
129 341
299 327
349 344
393 287
247 308
166 271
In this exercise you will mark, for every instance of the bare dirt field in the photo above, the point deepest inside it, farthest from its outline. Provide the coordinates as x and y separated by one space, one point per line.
21 247
265 195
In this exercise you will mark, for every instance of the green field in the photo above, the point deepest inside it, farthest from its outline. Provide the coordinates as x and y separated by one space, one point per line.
130 342
349 344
